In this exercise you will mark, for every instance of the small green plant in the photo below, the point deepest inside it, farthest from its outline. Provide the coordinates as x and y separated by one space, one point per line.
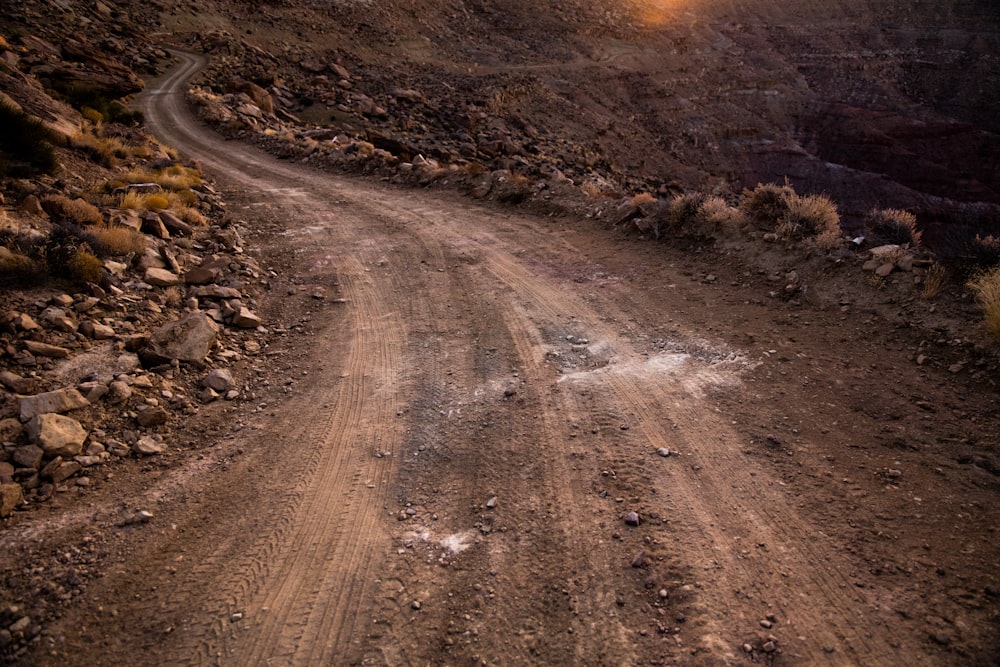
25 144
986 287
892 226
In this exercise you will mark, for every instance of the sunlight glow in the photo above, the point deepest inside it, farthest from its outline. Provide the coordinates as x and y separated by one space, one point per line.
655 13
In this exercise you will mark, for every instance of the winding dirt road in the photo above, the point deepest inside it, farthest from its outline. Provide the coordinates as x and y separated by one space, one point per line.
448 478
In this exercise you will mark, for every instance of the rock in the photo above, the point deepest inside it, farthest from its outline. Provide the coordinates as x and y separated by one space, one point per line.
885 269
219 379
64 471
202 276
152 225
905 263
28 456
189 339
175 225
207 395
147 446
56 434
16 383
96 330
11 496
152 417
245 319
491 503
161 277
639 560
40 349
216 292
6 472
632 519
664 451
118 392
31 204
10 430
23 322
60 400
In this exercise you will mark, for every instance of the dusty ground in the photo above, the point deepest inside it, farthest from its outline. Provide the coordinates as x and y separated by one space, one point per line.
445 447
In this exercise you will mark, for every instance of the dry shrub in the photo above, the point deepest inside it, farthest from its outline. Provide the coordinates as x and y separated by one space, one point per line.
934 281
85 267
642 198
986 287
116 240
18 265
144 201
892 226
716 212
78 211
766 204
175 177
190 215
598 188
100 150
93 115
682 212
813 216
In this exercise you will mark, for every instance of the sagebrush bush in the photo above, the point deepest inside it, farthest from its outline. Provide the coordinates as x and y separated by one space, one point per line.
25 144
144 201
716 212
986 287
812 216
116 241
766 204
892 226
190 215
78 211
682 212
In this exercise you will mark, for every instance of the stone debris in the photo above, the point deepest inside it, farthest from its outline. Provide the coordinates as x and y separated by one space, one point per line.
57 435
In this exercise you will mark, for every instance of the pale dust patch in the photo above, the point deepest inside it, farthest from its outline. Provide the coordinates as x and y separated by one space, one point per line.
691 374
455 543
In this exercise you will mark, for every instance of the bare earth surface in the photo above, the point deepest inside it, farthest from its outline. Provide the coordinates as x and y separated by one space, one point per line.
441 469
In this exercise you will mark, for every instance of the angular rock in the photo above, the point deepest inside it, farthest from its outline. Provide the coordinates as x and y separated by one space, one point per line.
152 225
632 519
60 400
147 447
175 225
11 495
57 435
216 292
202 276
6 472
246 319
10 430
96 330
118 392
152 417
16 383
161 277
64 471
28 456
219 379
885 269
40 349
189 339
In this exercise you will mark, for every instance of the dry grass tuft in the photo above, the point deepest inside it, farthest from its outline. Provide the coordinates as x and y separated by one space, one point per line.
78 211
812 216
934 281
986 287
642 198
144 201
766 204
190 215
116 241
892 226
101 150
16 264
716 212
85 267
175 177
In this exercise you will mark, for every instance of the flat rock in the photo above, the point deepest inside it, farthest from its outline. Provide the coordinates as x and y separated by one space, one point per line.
16 383
96 330
216 292
28 456
189 338
11 429
40 349
175 225
64 471
147 447
161 277
885 269
57 435
60 400
202 276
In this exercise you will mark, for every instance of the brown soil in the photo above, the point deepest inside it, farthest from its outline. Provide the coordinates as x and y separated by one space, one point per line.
461 408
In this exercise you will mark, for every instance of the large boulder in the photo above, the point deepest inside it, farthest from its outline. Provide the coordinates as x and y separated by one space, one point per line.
188 339
57 435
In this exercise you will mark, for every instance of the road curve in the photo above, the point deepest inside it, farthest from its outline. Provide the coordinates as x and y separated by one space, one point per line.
448 482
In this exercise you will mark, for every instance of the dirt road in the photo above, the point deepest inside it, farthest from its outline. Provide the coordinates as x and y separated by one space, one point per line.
447 448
